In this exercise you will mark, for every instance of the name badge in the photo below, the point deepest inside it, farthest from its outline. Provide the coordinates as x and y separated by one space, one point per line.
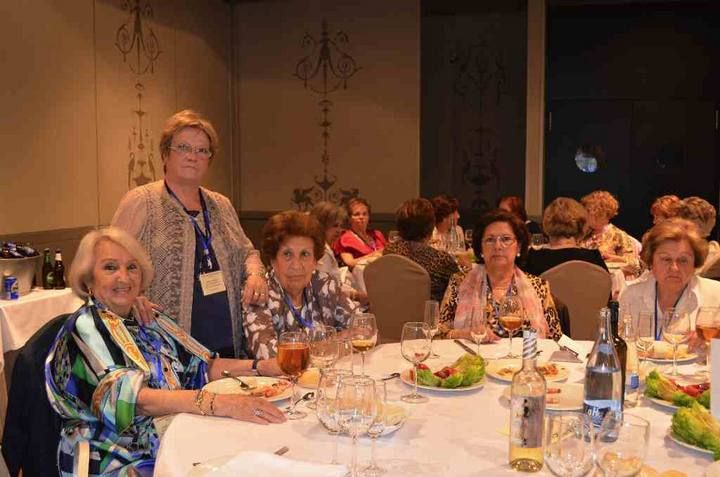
212 282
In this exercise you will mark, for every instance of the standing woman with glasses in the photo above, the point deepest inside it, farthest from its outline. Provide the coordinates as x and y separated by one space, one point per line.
206 267
499 240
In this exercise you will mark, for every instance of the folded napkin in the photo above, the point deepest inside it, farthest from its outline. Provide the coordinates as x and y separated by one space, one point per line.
263 464
566 356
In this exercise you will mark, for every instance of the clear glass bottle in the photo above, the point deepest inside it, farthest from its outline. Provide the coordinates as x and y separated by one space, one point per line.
603 375
527 409
632 377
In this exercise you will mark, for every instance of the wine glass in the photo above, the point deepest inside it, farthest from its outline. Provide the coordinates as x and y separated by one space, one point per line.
324 350
478 327
293 357
432 318
621 444
468 238
376 428
393 236
325 408
707 325
511 319
569 444
355 410
675 328
537 241
415 347
363 334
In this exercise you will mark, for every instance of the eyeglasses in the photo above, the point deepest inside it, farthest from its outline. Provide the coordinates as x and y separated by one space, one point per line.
505 240
681 262
187 149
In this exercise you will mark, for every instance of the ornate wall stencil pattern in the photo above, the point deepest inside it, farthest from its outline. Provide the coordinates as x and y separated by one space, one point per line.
325 69
136 39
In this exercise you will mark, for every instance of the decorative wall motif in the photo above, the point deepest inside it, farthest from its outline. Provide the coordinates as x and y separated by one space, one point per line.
136 39
325 69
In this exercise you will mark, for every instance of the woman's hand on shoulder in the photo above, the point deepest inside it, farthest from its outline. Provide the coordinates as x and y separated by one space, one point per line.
256 290
144 310
251 409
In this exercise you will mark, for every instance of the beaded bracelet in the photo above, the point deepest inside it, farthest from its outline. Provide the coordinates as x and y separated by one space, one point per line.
212 403
199 400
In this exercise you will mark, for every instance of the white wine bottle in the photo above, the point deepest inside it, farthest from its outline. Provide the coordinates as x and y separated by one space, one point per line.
527 409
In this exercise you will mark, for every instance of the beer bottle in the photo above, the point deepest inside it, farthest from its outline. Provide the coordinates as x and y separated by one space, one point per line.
59 271
48 274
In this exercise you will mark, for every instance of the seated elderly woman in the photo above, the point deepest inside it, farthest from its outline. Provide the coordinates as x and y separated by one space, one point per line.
663 208
516 205
672 249
415 220
299 295
446 221
700 212
358 241
499 239
107 377
615 245
564 222
331 218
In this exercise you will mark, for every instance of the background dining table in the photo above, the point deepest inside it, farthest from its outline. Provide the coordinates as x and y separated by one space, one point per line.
460 433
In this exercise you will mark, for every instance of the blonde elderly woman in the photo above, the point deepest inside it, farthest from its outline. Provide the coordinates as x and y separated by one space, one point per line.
664 208
499 240
300 296
615 245
564 222
672 249
107 377
702 213
207 267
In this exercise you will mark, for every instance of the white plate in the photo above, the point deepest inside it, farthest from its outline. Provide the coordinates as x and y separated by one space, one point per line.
570 397
405 378
400 414
663 403
685 444
231 386
685 359
666 353
498 369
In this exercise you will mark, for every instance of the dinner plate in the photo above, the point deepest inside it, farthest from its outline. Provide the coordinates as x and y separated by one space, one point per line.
686 445
398 414
503 370
666 353
309 379
232 386
570 397
406 378
662 403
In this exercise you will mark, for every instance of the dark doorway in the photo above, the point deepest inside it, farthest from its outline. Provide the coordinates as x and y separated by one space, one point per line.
637 86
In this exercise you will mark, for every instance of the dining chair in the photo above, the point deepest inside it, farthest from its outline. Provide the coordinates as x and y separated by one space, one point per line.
397 289
584 288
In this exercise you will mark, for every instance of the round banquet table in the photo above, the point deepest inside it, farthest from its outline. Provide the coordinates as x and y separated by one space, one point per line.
454 434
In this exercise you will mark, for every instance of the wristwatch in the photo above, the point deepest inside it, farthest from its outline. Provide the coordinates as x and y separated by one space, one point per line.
254 368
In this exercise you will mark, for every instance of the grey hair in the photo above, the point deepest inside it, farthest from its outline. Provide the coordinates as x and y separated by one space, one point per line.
81 270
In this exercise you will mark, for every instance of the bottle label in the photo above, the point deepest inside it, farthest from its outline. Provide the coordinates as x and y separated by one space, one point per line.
634 381
526 421
597 410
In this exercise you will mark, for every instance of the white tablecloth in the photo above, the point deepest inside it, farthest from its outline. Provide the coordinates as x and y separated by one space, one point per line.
454 434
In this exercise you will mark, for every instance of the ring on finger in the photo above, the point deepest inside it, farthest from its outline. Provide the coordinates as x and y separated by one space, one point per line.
258 412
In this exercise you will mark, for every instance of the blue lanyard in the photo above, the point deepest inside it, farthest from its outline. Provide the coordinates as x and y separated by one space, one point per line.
308 324
205 238
658 334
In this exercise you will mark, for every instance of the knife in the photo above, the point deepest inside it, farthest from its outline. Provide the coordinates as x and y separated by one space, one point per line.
466 347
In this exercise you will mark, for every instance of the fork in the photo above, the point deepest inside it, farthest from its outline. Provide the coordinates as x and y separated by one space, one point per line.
243 384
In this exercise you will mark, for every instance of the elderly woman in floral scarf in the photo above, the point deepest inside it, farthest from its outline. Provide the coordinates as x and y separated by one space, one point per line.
499 239
299 296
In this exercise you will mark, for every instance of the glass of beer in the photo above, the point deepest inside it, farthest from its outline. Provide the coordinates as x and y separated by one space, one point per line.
707 326
363 334
293 358
511 319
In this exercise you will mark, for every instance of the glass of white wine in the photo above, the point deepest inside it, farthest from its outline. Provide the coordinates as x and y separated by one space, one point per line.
511 319
675 327
621 444
363 334
415 347
432 318
478 327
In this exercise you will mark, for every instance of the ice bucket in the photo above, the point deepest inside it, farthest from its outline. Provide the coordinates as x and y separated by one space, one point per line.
21 268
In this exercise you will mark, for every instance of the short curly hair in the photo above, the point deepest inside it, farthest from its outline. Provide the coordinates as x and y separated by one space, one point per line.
498 215
565 217
675 230
514 204
187 118
444 205
601 203
664 207
328 214
357 201
415 219
291 223
698 211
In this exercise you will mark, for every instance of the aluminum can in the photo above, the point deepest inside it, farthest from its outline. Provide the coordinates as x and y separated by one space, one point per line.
10 288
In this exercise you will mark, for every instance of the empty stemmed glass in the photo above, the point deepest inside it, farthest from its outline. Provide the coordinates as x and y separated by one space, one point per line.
432 318
468 238
376 428
355 410
325 407
293 358
415 347
511 319
478 327
621 444
324 350
363 334
675 330
707 326
569 444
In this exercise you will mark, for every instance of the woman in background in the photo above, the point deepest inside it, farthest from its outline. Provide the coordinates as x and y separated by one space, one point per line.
702 213
359 241
446 220
515 205
664 208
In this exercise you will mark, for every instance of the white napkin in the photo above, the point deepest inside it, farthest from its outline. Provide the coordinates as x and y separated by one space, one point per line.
572 344
263 464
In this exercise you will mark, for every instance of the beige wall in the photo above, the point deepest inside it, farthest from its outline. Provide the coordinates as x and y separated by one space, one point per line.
69 100
374 138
